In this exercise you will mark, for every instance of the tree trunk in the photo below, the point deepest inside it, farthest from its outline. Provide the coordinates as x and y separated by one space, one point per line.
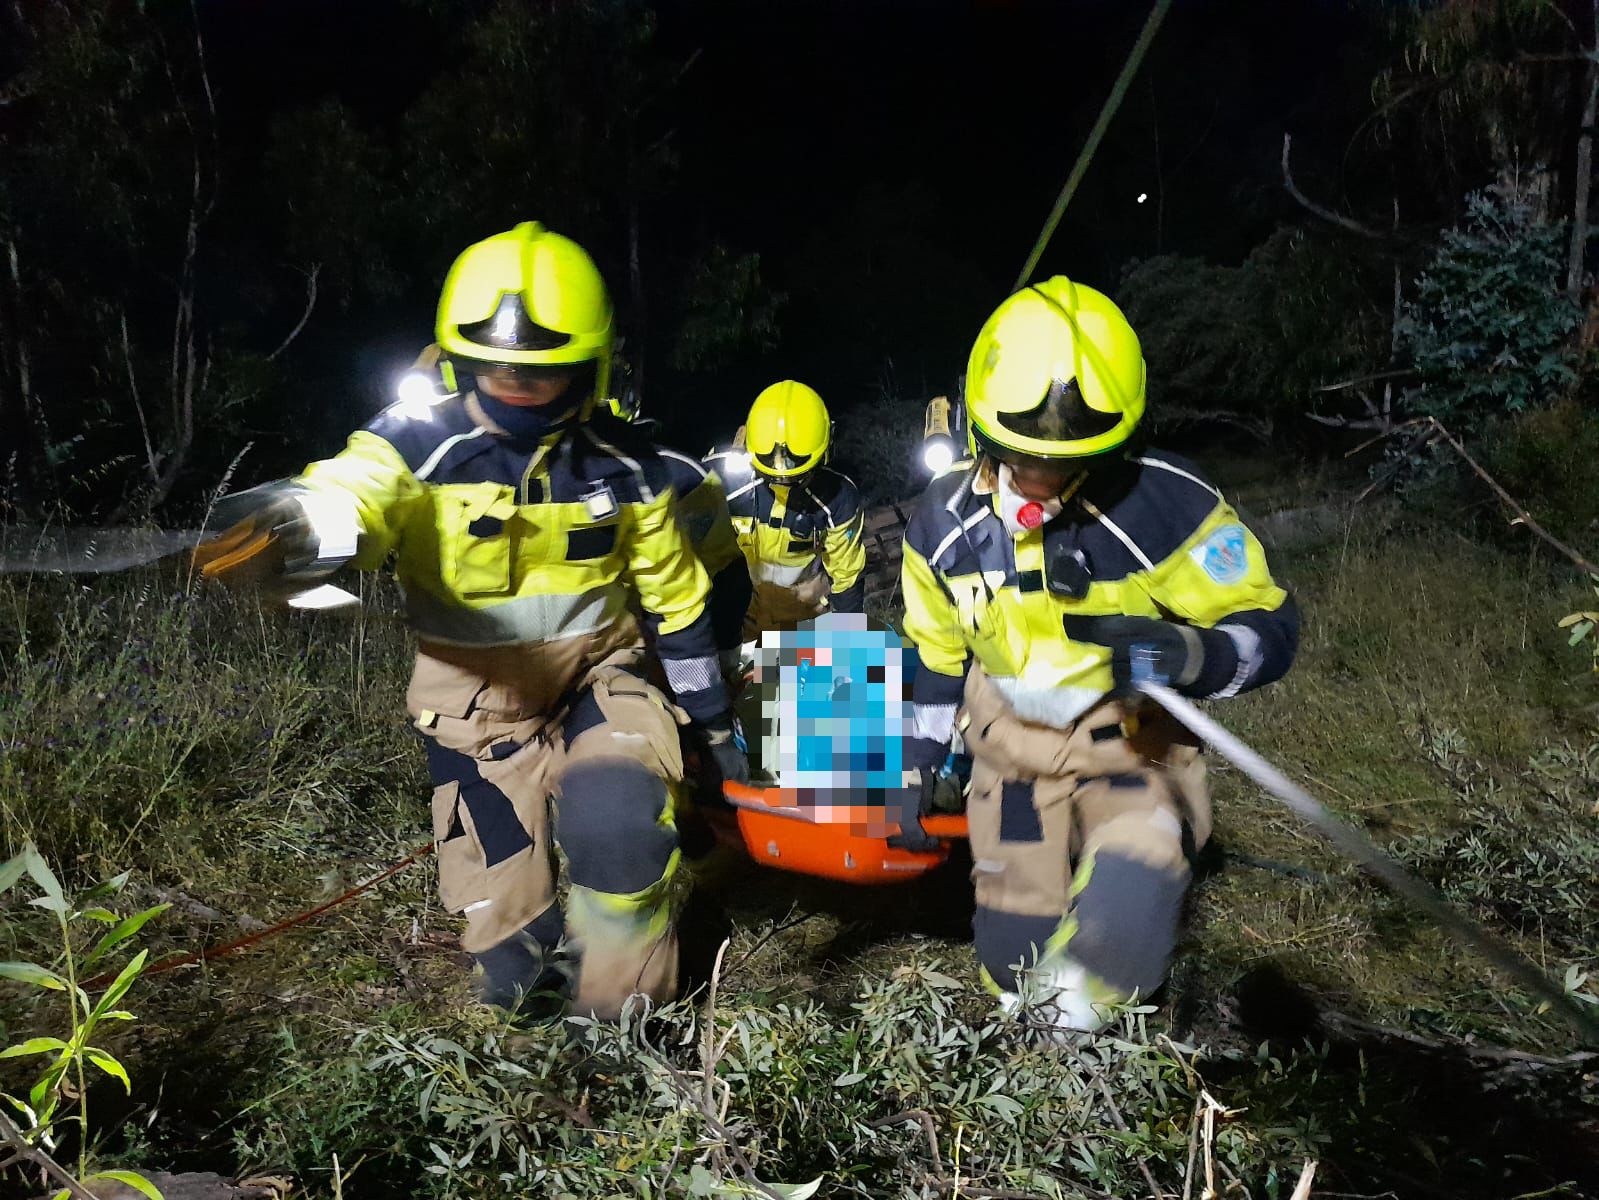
1584 181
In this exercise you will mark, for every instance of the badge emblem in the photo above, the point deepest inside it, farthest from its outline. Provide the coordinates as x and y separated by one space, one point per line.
1224 555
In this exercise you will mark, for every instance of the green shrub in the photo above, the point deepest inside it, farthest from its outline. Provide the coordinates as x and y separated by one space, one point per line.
1545 459
880 449
1255 339
1489 327
891 1096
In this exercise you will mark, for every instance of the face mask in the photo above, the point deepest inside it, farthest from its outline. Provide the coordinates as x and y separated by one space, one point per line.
527 421
1020 514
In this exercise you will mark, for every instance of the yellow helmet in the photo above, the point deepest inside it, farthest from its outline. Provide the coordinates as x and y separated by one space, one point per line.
788 431
1056 372
527 298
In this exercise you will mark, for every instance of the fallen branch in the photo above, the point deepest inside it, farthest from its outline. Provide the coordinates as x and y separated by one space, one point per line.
1523 517
1379 423
26 1150
1326 214
1193 1150
726 1139
1121 1123
923 1118
1377 378
1506 1062
310 303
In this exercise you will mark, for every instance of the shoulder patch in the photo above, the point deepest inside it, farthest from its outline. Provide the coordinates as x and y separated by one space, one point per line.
1224 555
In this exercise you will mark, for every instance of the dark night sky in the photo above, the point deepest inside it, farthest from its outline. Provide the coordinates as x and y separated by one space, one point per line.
968 113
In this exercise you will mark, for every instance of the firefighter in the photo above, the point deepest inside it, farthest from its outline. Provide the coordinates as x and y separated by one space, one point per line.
1043 579
522 514
703 513
798 522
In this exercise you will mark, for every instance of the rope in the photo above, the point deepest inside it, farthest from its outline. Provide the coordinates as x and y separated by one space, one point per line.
1359 849
272 931
1086 154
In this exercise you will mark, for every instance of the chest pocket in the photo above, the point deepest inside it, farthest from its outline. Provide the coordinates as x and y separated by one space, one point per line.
592 541
804 533
475 525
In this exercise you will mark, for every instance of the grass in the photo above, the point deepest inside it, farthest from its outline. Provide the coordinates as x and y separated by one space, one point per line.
246 765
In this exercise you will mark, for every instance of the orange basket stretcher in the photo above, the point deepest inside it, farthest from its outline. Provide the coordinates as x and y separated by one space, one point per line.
777 831
840 834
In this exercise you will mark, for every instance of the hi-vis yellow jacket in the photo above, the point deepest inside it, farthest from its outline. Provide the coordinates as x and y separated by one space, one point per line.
1145 536
702 512
793 536
505 542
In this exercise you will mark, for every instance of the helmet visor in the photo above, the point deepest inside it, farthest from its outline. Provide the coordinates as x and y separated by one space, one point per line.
563 387
510 328
779 460
1061 415
518 375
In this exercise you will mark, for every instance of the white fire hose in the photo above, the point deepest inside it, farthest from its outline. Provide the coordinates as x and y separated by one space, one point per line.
1359 849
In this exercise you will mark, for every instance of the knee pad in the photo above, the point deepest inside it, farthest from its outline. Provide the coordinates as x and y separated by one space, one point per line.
1127 914
609 825
1006 941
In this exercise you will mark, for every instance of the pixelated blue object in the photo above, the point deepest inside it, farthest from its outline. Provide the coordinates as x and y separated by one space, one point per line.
835 708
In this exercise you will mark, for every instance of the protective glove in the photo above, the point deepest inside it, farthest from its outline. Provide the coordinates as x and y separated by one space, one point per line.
909 805
1193 661
267 539
728 759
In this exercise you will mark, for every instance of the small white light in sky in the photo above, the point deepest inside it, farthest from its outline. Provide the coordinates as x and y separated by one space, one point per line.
1142 196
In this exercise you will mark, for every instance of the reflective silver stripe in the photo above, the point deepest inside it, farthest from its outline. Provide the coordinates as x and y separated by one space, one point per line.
334 520
522 620
766 572
645 491
935 722
1055 706
754 483
949 539
432 462
1163 466
1247 642
817 500
691 674
682 458
1117 530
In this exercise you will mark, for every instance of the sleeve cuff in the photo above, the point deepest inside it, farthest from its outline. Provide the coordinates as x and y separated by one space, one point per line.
1221 668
